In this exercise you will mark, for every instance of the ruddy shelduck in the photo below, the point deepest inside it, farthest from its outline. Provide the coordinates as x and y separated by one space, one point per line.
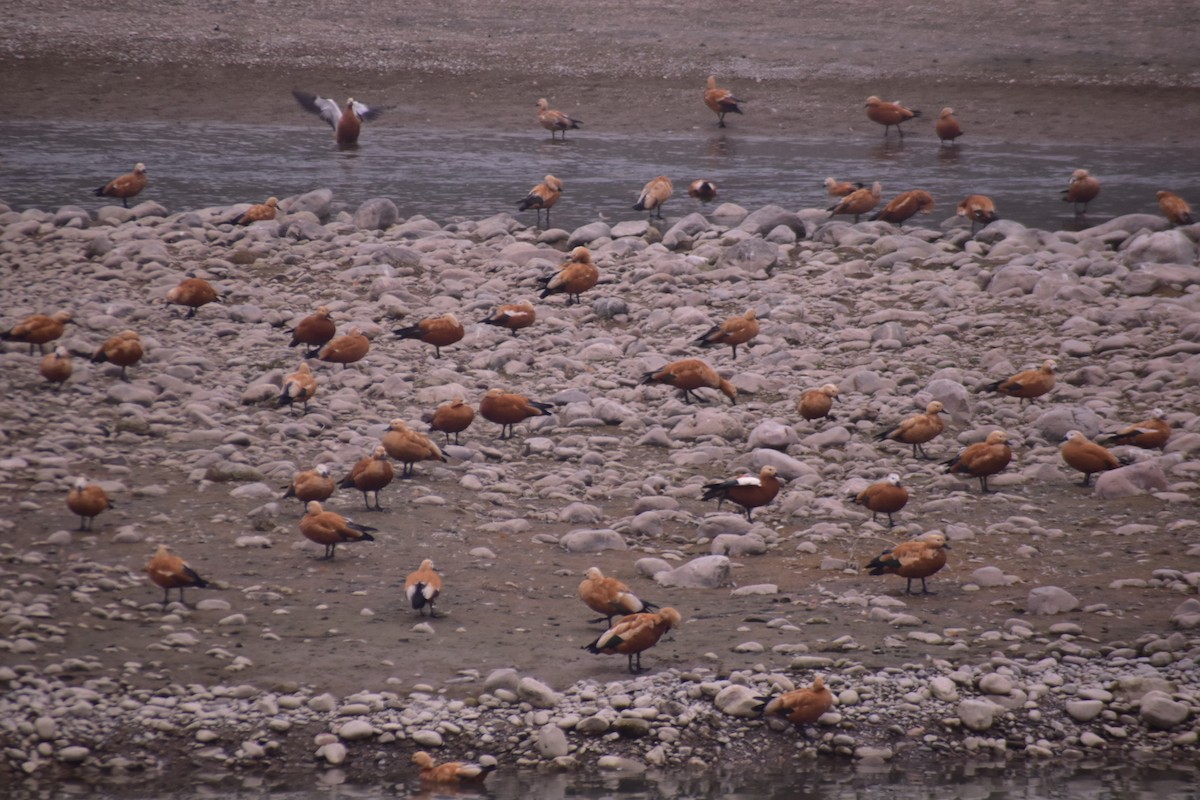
453 417
408 446
802 706
978 208
329 529
889 114
124 350
947 126
1081 190
370 474
422 587
38 330
905 206
917 429
982 459
734 331
315 331
858 202
312 484
192 293
554 120
916 559
346 122
542 198
703 190
1027 384
887 496
57 367
634 634
1175 208
347 349
506 409
170 571
720 101
451 772
440 332
299 387
656 192
512 316
1082 454
817 403
610 597
688 375
836 188
125 186
89 501
259 212
748 491
576 276
1149 434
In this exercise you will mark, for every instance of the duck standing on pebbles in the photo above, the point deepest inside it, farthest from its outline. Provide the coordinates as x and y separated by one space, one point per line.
315 331
89 501
507 409
978 208
610 597
57 367
408 446
440 332
313 484
906 205
512 316
38 329
576 276
634 634
982 459
733 331
858 202
370 474
916 559
124 350
883 497
689 374
192 293
1027 384
748 491
817 403
453 417
300 387
330 529
172 572
1082 454
422 587
917 429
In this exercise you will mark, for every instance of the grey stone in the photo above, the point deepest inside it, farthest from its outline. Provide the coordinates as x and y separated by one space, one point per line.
1161 712
356 729
589 233
504 678
316 202
537 694
552 741
1048 600
376 214
977 715
1054 424
1164 247
751 255
737 701
592 541
1140 478
1084 710
706 572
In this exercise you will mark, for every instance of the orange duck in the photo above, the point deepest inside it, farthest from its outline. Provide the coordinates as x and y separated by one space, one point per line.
38 329
346 349
610 597
884 497
688 375
634 634
906 205
916 559
1081 190
1175 208
126 186
312 484
300 386
720 101
57 367
259 212
506 409
370 474
172 572
453 417
330 529
451 772
1149 434
89 501
947 126
747 491
837 188
408 446
1082 454
654 194
978 208
554 120
315 331
192 293
733 331
799 706
917 429
422 587
889 114
576 276
817 403
512 316
702 190
982 459
124 350
346 122
858 202
1027 384
542 197
440 332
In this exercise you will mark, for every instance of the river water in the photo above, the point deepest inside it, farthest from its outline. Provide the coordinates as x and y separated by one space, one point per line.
452 174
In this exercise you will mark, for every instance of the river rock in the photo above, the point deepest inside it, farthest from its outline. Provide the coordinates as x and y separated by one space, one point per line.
376 214
737 701
1050 600
552 741
706 572
537 694
1161 712
1140 478
977 715
592 541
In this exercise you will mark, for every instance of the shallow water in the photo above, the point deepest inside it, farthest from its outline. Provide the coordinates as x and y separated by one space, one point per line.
449 174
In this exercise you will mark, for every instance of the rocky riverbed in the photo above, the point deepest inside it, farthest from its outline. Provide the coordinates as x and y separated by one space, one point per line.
1064 625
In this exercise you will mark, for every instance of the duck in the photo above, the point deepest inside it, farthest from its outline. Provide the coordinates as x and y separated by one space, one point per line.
689 374
370 474
125 186
733 331
512 316
1174 208
703 190
982 459
915 559
554 120
817 403
330 529
453 417
124 350
300 386
88 500
1027 384
802 706
346 122
917 429
720 101
905 206
858 202
574 278
259 212
610 597
38 330
836 188
748 491
634 634
170 571
656 192
315 330
192 293
346 349
884 497
408 446
506 409
1081 190
1083 454
1149 434
889 114
947 127
978 208
542 198
312 484
422 587
451 771
57 366
440 332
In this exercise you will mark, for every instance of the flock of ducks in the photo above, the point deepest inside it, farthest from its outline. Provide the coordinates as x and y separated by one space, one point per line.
639 625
